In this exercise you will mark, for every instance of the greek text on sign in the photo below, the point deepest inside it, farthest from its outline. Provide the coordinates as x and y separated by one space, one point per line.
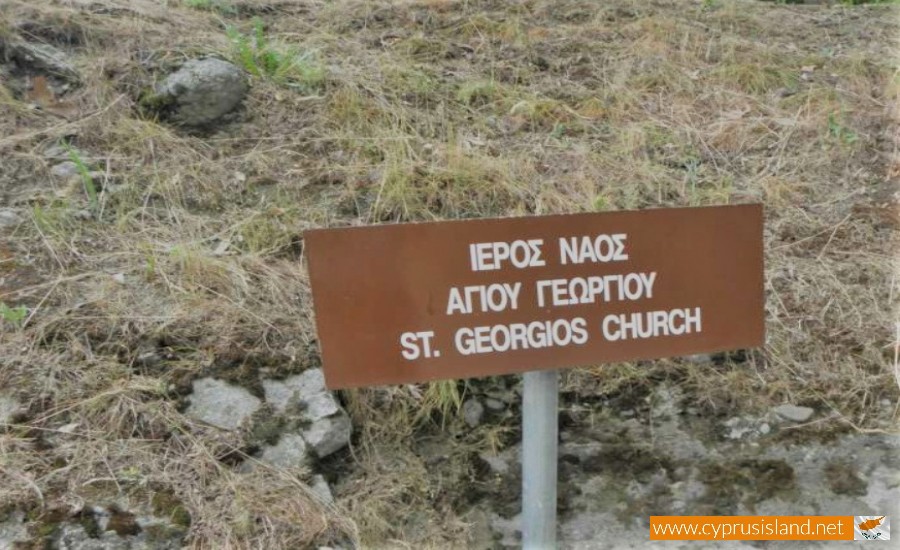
415 302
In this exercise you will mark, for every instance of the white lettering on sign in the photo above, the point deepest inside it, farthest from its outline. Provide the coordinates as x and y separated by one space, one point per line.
519 336
602 248
651 324
520 254
495 297
417 344
589 290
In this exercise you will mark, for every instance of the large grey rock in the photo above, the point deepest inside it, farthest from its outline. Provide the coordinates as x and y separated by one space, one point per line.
793 412
43 58
328 435
291 451
9 408
221 404
202 91
327 427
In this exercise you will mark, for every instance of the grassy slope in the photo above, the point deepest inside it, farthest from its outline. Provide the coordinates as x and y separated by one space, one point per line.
408 111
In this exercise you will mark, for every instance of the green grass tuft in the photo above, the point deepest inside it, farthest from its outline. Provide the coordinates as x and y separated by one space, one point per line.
283 64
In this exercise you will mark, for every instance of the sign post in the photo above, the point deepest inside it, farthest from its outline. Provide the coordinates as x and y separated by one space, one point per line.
405 303
539 455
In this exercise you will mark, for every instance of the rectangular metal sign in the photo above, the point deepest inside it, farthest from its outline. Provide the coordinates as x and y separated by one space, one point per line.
425 301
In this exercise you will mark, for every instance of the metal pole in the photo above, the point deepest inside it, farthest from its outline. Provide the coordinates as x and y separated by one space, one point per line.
539 458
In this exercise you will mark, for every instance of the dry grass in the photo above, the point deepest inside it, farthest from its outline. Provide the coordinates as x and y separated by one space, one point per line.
422 110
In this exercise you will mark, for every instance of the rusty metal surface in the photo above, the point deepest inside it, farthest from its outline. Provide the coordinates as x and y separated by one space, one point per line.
372 284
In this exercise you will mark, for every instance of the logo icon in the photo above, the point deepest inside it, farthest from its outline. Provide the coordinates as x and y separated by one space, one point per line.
871 528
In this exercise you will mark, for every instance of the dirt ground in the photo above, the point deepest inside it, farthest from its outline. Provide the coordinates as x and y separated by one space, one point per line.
171 254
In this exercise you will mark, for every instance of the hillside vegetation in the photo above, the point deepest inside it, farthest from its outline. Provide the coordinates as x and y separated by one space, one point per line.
171 254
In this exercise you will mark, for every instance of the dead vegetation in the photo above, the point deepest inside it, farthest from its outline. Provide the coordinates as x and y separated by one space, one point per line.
187 256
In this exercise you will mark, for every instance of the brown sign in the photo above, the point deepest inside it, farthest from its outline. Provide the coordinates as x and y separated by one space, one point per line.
415 302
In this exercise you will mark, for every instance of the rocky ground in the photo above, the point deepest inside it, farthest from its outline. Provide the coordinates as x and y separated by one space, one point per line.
160 384
667 458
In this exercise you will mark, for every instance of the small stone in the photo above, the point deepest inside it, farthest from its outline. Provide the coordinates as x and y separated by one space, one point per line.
68 428
148 359
306 391
472 412
44 58
321 405
499 464
101 516
328 435
738 427
510 530
741 427
793 413
65 170
62 153
321 489
295 390
221 404
9 218
9 408
291 451
13 530
75 537
494 404
56 152
202 91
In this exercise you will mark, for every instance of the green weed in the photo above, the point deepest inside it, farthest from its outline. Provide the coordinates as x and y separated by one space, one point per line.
283 64
15 316
86 180
601 203
840 132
